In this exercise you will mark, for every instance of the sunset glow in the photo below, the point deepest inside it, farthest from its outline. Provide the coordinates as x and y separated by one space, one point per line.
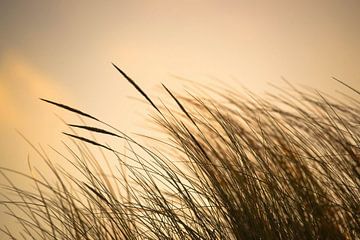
63 50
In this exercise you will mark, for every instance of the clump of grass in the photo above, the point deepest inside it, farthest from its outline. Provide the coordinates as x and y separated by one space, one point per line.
285 166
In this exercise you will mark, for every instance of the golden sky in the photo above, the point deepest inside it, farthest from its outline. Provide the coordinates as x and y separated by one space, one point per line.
63 50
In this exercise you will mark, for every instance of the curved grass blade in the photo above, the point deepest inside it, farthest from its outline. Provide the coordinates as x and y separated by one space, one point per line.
71 109
136 87
94 129
88 141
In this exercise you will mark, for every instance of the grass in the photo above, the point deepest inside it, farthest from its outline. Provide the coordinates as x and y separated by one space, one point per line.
284 166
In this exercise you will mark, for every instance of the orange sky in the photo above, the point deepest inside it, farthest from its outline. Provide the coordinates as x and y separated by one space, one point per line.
63 49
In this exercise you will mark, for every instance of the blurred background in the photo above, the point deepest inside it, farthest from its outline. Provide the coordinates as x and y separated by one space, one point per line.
62 50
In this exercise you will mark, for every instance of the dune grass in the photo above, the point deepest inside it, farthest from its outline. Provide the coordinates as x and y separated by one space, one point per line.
234 166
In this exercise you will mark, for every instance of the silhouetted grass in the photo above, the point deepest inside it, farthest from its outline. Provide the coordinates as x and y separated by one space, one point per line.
285 166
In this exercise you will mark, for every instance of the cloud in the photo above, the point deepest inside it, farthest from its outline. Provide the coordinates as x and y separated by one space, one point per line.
21 84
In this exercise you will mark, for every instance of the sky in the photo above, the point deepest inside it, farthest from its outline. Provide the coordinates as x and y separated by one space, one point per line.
63 50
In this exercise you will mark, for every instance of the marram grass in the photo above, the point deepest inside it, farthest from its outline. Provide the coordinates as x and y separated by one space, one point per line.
285 166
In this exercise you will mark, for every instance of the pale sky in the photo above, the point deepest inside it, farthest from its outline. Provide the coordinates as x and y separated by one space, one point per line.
62 50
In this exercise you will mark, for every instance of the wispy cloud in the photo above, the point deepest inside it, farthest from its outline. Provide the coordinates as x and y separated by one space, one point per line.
20 86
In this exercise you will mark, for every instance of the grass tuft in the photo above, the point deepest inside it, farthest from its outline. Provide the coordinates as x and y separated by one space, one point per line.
283 166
